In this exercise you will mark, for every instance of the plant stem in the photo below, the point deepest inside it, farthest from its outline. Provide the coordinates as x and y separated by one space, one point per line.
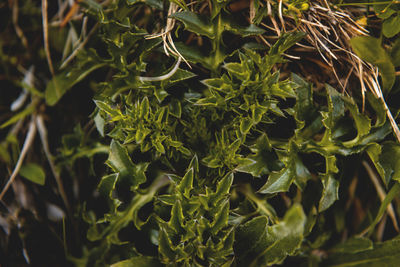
27 144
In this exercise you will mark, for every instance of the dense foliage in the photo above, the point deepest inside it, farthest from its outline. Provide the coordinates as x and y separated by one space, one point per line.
179 136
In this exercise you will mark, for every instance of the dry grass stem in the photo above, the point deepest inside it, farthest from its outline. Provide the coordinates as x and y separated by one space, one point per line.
168 43
329 32
381 193
79 47
18 29
30 137
46 36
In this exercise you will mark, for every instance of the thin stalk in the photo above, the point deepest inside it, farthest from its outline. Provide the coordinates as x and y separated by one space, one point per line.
30 137
162 77
46 35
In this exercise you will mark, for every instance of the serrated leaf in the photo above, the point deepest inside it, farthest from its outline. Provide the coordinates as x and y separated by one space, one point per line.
120 162
251 239
336 106
330 192
229 24
379 108
302 173
181 75
107 184
176 221
278 181
261 160
192 54
165 246
186 184
33 173
258 244
256 167
114 113
305 109
386 158
196 23
284 237
144 109
160 94
208 101
220 218
283 89
120 219
223 186
237 70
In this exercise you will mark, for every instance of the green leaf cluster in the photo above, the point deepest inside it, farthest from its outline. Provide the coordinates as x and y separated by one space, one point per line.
224 158
242 119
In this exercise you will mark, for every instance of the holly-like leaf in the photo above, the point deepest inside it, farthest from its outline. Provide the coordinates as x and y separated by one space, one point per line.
176 221
336 107
305 109
107 184
165 247
262 161
330 192
230 24
196 23
120 219
386 159
120 162
186 184
294 171
258 244
279 181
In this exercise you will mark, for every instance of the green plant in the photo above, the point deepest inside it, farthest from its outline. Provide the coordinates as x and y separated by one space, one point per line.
220 152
